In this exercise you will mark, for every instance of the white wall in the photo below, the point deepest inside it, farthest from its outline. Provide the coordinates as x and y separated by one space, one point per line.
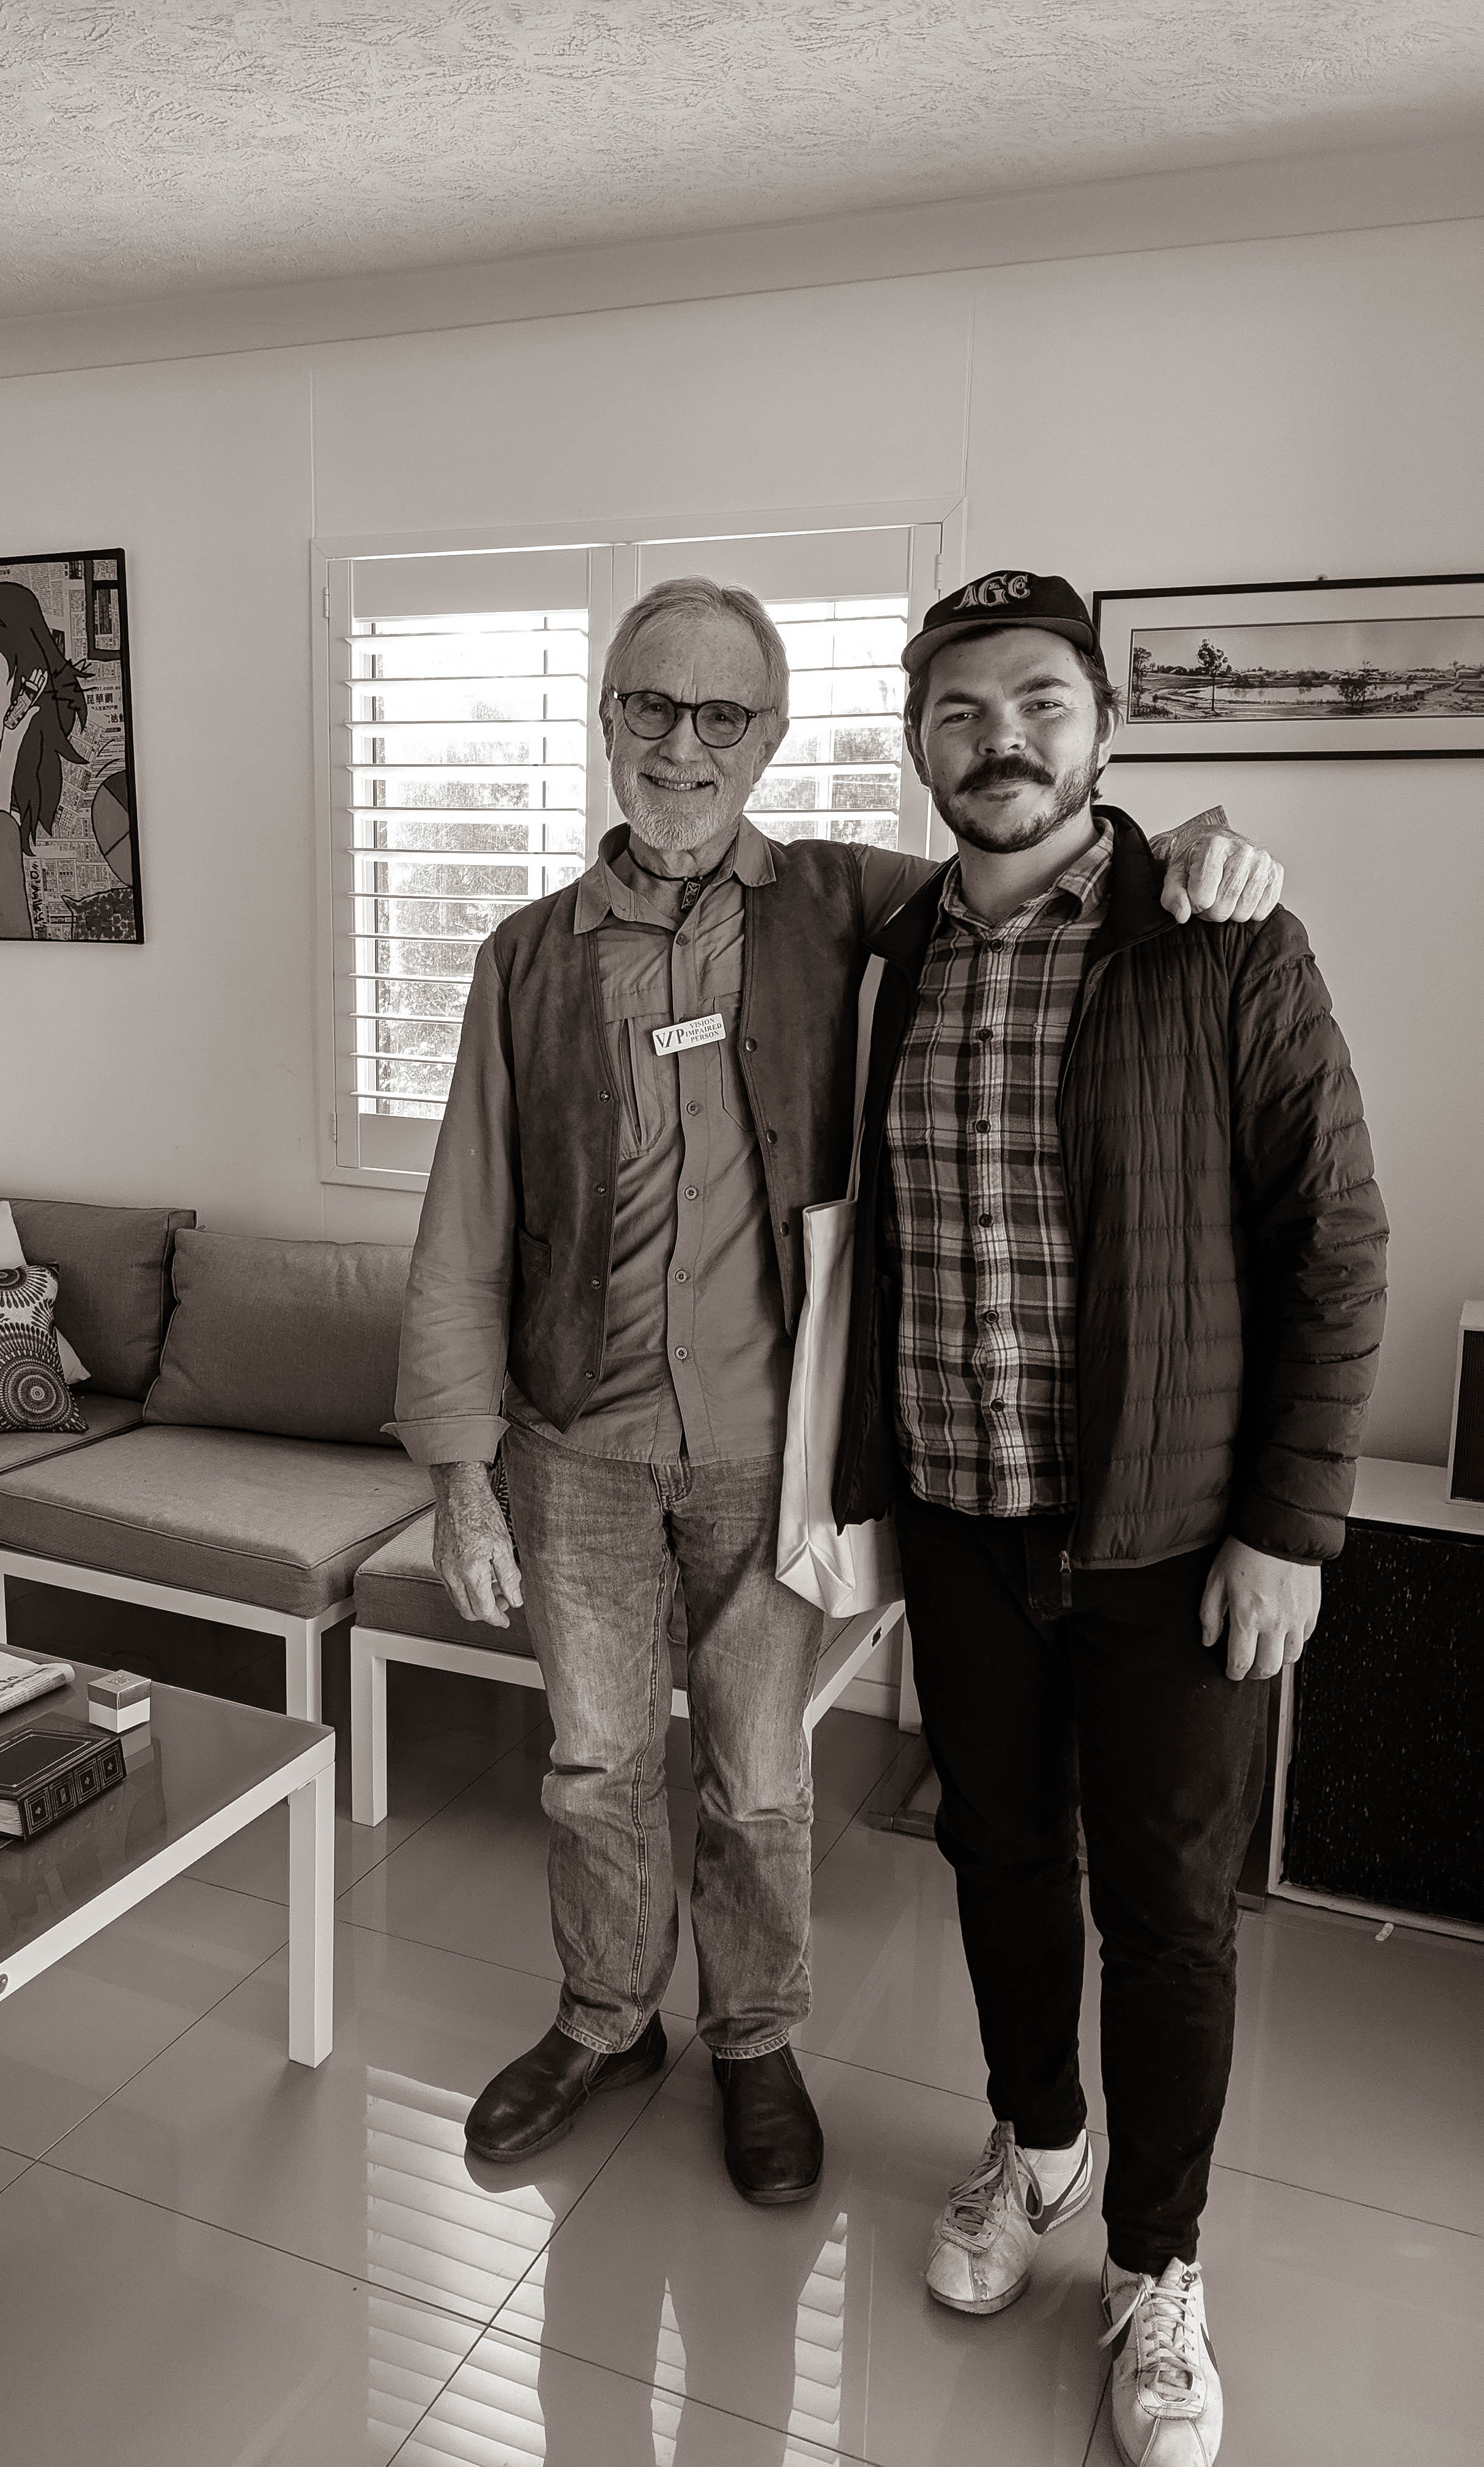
1249 412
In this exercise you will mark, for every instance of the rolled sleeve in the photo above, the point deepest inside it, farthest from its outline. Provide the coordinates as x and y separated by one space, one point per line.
455 1321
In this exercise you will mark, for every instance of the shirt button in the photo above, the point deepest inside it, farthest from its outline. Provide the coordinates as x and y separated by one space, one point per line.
691 1191
783 1228
691 1107
774 1138
682 1275
601 1189
596 1284
983 1033
985 1217
981 1124
604 1097
680 1353
749 1045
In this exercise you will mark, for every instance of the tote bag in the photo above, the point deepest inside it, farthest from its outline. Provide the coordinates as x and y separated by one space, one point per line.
858 1570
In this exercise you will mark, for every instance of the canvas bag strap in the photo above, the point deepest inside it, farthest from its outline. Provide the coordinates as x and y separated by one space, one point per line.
866 1012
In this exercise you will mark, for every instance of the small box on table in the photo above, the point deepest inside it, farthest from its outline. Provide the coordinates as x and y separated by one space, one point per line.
118 1700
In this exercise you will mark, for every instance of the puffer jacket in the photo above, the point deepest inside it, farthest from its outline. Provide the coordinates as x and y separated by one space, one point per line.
1229 1235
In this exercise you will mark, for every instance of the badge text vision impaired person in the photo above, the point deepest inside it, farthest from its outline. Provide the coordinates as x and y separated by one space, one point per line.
685 1033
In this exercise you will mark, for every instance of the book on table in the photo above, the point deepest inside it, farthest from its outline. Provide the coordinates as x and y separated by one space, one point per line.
47 1772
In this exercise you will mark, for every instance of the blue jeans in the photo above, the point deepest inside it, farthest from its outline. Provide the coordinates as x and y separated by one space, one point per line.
600 1539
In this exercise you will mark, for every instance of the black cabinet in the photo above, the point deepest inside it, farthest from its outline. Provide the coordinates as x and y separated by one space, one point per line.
1378 1777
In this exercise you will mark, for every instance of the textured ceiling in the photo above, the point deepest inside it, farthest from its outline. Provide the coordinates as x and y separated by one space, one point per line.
179 147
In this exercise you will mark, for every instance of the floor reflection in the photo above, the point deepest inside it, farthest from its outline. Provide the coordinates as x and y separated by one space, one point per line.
527 2404
431 2231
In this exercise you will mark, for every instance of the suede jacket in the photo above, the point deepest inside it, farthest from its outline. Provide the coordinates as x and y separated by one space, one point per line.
1229 1235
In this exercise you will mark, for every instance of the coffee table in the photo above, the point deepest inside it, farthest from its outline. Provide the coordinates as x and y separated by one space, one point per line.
201 1771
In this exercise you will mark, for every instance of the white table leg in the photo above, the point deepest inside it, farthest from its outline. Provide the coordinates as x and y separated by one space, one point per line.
311 1918
368 1731
302 1669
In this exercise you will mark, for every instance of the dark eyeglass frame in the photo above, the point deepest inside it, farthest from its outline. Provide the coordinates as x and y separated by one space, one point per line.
712 702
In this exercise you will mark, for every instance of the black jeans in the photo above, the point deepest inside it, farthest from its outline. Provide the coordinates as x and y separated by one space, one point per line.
1033 1679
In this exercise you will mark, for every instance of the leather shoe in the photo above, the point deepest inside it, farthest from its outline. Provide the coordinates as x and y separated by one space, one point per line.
539 2099
774 2145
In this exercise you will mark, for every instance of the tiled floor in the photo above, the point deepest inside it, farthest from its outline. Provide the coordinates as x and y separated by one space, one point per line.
210 2257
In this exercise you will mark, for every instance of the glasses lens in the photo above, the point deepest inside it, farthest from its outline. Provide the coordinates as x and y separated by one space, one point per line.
721 723
649 715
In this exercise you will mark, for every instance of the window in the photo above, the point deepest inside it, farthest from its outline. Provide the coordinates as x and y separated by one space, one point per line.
837 774
465 772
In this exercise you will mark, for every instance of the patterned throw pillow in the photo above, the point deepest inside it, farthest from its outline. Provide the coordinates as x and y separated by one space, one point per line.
34 1391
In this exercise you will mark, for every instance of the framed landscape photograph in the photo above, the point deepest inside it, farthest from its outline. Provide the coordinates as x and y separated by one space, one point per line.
69 833
1298 672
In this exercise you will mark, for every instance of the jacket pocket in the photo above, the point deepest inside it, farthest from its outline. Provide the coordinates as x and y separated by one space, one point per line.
534 1257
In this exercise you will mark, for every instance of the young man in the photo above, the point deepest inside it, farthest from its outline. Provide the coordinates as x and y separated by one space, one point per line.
620 1224
1118 1293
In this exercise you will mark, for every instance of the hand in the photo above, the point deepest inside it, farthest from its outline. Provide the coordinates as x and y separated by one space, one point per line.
1211 871
471 1547
1267 1606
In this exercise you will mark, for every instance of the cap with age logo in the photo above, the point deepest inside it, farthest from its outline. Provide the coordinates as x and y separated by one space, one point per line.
1006 598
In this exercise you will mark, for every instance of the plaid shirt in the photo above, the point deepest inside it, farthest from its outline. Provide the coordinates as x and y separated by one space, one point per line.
974 1223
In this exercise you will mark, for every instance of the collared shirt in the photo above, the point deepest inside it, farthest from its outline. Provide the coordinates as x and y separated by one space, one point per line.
975 1221
695 1353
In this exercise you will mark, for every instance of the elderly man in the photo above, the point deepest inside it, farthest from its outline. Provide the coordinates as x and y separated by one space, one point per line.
607 1280
1117 1299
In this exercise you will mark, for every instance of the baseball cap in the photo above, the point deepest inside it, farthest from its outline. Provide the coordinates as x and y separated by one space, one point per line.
1009 596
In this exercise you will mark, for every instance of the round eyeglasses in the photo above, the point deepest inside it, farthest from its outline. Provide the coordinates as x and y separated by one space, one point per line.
717 724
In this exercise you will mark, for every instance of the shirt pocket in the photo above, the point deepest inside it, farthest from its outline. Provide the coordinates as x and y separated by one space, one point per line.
733 1089
640 1093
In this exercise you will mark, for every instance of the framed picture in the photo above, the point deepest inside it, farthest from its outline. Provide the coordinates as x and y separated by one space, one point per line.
1298 672
69 835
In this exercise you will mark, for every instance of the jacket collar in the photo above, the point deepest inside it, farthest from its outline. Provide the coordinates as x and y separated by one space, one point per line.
1133 910
600 894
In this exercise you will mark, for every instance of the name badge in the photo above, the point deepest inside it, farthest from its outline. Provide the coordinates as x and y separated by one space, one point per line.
686 1033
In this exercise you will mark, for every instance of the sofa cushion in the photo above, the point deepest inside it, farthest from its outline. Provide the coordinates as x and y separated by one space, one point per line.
398 1589
113 1279
34 1391
280 1523
297 1340
106 1417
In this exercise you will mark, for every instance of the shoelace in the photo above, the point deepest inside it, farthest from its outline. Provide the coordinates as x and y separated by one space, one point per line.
1172 2331
972 2204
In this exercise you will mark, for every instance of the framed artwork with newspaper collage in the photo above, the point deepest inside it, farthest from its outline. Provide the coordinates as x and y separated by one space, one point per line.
69 836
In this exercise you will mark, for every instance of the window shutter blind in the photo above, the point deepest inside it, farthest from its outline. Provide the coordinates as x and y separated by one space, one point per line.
467 732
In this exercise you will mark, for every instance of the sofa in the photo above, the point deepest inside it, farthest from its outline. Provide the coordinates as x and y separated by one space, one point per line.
234 1466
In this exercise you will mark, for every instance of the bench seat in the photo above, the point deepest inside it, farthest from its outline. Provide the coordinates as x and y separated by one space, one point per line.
403 1614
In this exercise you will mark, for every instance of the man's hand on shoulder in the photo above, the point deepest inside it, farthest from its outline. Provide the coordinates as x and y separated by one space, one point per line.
1266 1606
471 1547
1210 871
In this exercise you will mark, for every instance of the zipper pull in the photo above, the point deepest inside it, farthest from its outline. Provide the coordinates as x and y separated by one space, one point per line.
1066 1580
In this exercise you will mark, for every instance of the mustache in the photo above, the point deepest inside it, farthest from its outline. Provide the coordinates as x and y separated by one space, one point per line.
993 774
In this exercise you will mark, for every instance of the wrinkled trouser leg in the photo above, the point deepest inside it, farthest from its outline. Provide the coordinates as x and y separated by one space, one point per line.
599 1540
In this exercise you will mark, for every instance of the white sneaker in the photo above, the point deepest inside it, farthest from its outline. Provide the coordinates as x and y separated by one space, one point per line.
984 2239
1166 2391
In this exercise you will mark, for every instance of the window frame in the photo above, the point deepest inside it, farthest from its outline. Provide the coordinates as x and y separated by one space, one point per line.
936 562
